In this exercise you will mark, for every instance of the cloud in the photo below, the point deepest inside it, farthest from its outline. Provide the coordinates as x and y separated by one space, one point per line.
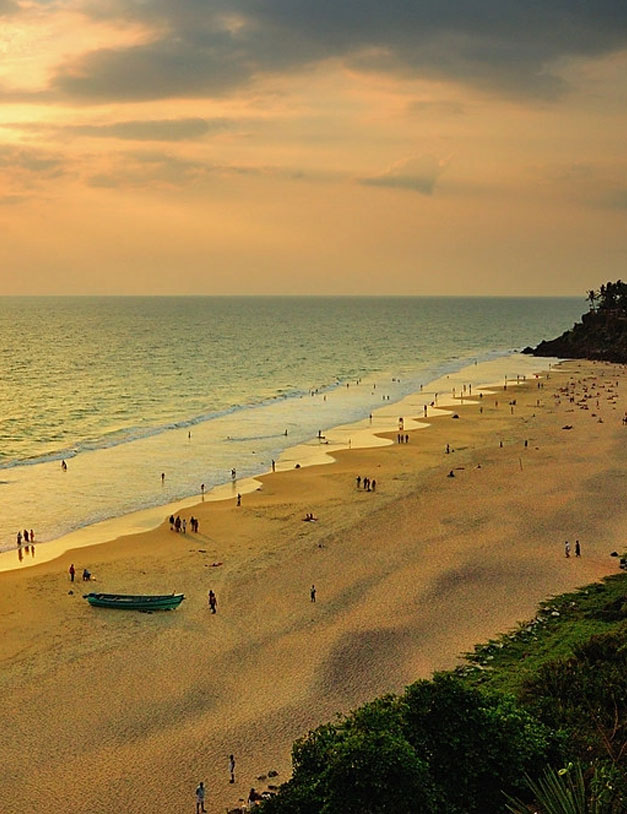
154 170
12 200
30 161
152 130
443 107
7 7
201 49
590 184
617 199
419 174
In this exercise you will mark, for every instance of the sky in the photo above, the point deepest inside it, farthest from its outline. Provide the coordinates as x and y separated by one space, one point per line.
418 147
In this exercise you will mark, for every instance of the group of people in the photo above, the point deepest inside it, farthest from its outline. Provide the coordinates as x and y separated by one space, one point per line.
28 537
29 540
366 483
86 575
577 549
180 526
254 797
402 438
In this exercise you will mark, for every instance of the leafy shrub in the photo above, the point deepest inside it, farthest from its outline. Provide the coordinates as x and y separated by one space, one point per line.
586 695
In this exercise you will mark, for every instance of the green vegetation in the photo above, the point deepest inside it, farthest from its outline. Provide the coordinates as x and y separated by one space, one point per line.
566 792
537 716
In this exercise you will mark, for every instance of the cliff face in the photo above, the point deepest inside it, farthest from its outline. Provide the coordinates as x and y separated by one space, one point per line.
600 335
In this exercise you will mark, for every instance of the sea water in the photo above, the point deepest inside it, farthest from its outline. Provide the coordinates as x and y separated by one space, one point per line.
124 389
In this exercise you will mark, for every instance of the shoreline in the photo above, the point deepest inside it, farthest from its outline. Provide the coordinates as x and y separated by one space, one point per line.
140 707
360 434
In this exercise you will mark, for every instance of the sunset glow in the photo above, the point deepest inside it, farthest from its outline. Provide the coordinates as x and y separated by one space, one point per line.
291 147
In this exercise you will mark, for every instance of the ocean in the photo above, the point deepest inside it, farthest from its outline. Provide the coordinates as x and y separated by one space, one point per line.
126 388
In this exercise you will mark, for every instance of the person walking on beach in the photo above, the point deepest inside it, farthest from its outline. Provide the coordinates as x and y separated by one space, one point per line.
163 477
232 768
213 602
72 572
273 465
239 499
577 549
358 480
200 798
567 549
19 539
171 522
312 593
373 485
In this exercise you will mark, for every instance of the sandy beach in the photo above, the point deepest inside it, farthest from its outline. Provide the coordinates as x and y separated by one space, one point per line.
115 711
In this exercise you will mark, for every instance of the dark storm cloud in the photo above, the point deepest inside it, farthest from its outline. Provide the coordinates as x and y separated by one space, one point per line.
509 46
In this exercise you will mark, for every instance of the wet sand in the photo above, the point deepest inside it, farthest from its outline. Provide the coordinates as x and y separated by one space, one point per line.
127 711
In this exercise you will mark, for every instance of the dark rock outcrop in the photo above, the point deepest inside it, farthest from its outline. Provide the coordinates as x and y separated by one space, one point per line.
600 335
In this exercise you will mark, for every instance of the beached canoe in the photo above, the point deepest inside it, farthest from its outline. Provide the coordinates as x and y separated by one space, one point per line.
131 602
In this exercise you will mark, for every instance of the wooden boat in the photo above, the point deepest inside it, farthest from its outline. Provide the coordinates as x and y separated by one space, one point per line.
132 602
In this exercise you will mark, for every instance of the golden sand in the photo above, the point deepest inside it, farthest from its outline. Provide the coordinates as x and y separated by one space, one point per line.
125 712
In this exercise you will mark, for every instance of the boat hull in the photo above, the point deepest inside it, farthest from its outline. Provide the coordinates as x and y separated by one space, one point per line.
134 602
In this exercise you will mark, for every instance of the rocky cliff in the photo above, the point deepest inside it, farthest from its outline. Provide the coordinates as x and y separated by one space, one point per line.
601 334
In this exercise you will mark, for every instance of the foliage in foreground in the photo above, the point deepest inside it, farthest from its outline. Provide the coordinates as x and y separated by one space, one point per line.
551 692
442 746
568 791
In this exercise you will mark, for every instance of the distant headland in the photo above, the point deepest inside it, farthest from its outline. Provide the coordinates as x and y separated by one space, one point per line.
602 332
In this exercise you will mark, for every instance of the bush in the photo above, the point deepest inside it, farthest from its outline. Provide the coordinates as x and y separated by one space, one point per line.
441 747
586 695
477 744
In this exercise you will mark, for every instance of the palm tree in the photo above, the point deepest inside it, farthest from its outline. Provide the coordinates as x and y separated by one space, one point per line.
591 297
561 792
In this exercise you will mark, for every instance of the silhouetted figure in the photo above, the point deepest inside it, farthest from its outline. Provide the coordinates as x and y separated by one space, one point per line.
232 768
